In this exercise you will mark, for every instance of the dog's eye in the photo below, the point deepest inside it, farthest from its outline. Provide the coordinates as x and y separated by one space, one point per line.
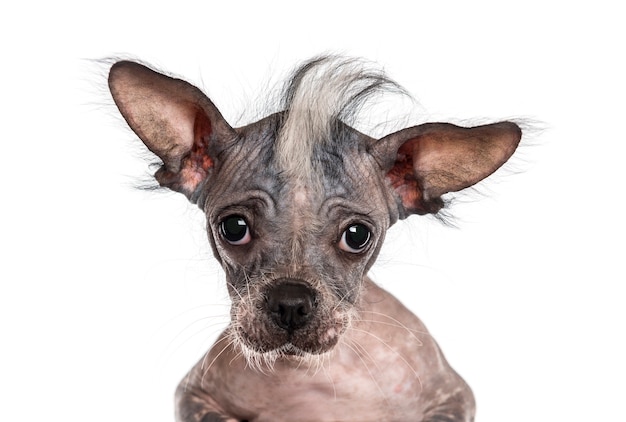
235 230
355 238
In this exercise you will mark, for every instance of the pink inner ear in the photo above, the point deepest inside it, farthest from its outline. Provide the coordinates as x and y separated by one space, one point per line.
403 180
195 166
436 158
201 134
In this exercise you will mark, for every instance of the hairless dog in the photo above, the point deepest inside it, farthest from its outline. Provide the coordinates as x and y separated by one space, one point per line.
297 205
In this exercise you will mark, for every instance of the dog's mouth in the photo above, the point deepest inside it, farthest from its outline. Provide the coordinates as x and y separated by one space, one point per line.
261 335
261 357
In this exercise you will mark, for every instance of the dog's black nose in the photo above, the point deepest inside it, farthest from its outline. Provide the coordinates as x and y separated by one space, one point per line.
291 305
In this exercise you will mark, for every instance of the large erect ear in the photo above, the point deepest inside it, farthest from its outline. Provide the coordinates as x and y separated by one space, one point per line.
426 161
174 119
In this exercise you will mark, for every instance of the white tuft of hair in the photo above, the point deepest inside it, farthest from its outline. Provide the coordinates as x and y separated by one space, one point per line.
321 94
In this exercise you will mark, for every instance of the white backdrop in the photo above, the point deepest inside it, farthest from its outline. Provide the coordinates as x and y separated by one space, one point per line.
108 294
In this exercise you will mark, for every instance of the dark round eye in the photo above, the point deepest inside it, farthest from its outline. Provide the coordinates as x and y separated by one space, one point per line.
355 238
235 230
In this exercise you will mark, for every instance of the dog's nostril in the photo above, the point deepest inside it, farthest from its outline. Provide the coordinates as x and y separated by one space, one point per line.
291 305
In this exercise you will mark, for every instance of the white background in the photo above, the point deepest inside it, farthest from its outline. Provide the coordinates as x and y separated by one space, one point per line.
108 294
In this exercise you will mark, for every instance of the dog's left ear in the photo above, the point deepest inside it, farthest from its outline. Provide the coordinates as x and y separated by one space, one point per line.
175 120
424 162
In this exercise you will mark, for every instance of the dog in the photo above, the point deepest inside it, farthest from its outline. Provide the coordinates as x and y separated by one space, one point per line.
297 205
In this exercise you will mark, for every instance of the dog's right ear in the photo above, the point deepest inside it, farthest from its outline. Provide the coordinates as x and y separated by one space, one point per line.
424 162
175 120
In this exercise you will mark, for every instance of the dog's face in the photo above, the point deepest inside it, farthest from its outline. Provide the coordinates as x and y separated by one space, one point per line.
297 204
295 254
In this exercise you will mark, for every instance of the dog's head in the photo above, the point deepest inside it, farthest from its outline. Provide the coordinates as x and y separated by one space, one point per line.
298 203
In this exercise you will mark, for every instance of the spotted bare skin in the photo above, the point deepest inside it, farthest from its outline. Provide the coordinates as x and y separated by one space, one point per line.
297 207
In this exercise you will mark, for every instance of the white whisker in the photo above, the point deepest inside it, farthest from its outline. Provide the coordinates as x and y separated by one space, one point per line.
354 348
208 368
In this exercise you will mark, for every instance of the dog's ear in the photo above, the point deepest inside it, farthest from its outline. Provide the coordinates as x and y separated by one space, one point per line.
424 162
174 119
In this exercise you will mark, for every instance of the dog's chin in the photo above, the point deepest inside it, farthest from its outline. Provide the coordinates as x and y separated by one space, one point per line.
291 350
286 349
288 353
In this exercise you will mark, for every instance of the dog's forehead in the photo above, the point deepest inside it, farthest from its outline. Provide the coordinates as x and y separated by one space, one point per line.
302 170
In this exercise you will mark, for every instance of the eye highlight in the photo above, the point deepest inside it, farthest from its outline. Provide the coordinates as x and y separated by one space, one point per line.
355 239
235 230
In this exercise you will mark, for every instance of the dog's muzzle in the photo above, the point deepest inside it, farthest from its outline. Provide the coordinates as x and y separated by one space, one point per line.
289 316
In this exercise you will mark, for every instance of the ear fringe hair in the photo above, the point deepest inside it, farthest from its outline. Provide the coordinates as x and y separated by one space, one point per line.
101 67
519 163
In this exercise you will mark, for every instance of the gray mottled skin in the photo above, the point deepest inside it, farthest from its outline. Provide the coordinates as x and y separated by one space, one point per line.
359 355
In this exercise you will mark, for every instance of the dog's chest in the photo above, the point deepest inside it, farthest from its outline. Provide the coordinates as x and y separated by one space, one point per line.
361 390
